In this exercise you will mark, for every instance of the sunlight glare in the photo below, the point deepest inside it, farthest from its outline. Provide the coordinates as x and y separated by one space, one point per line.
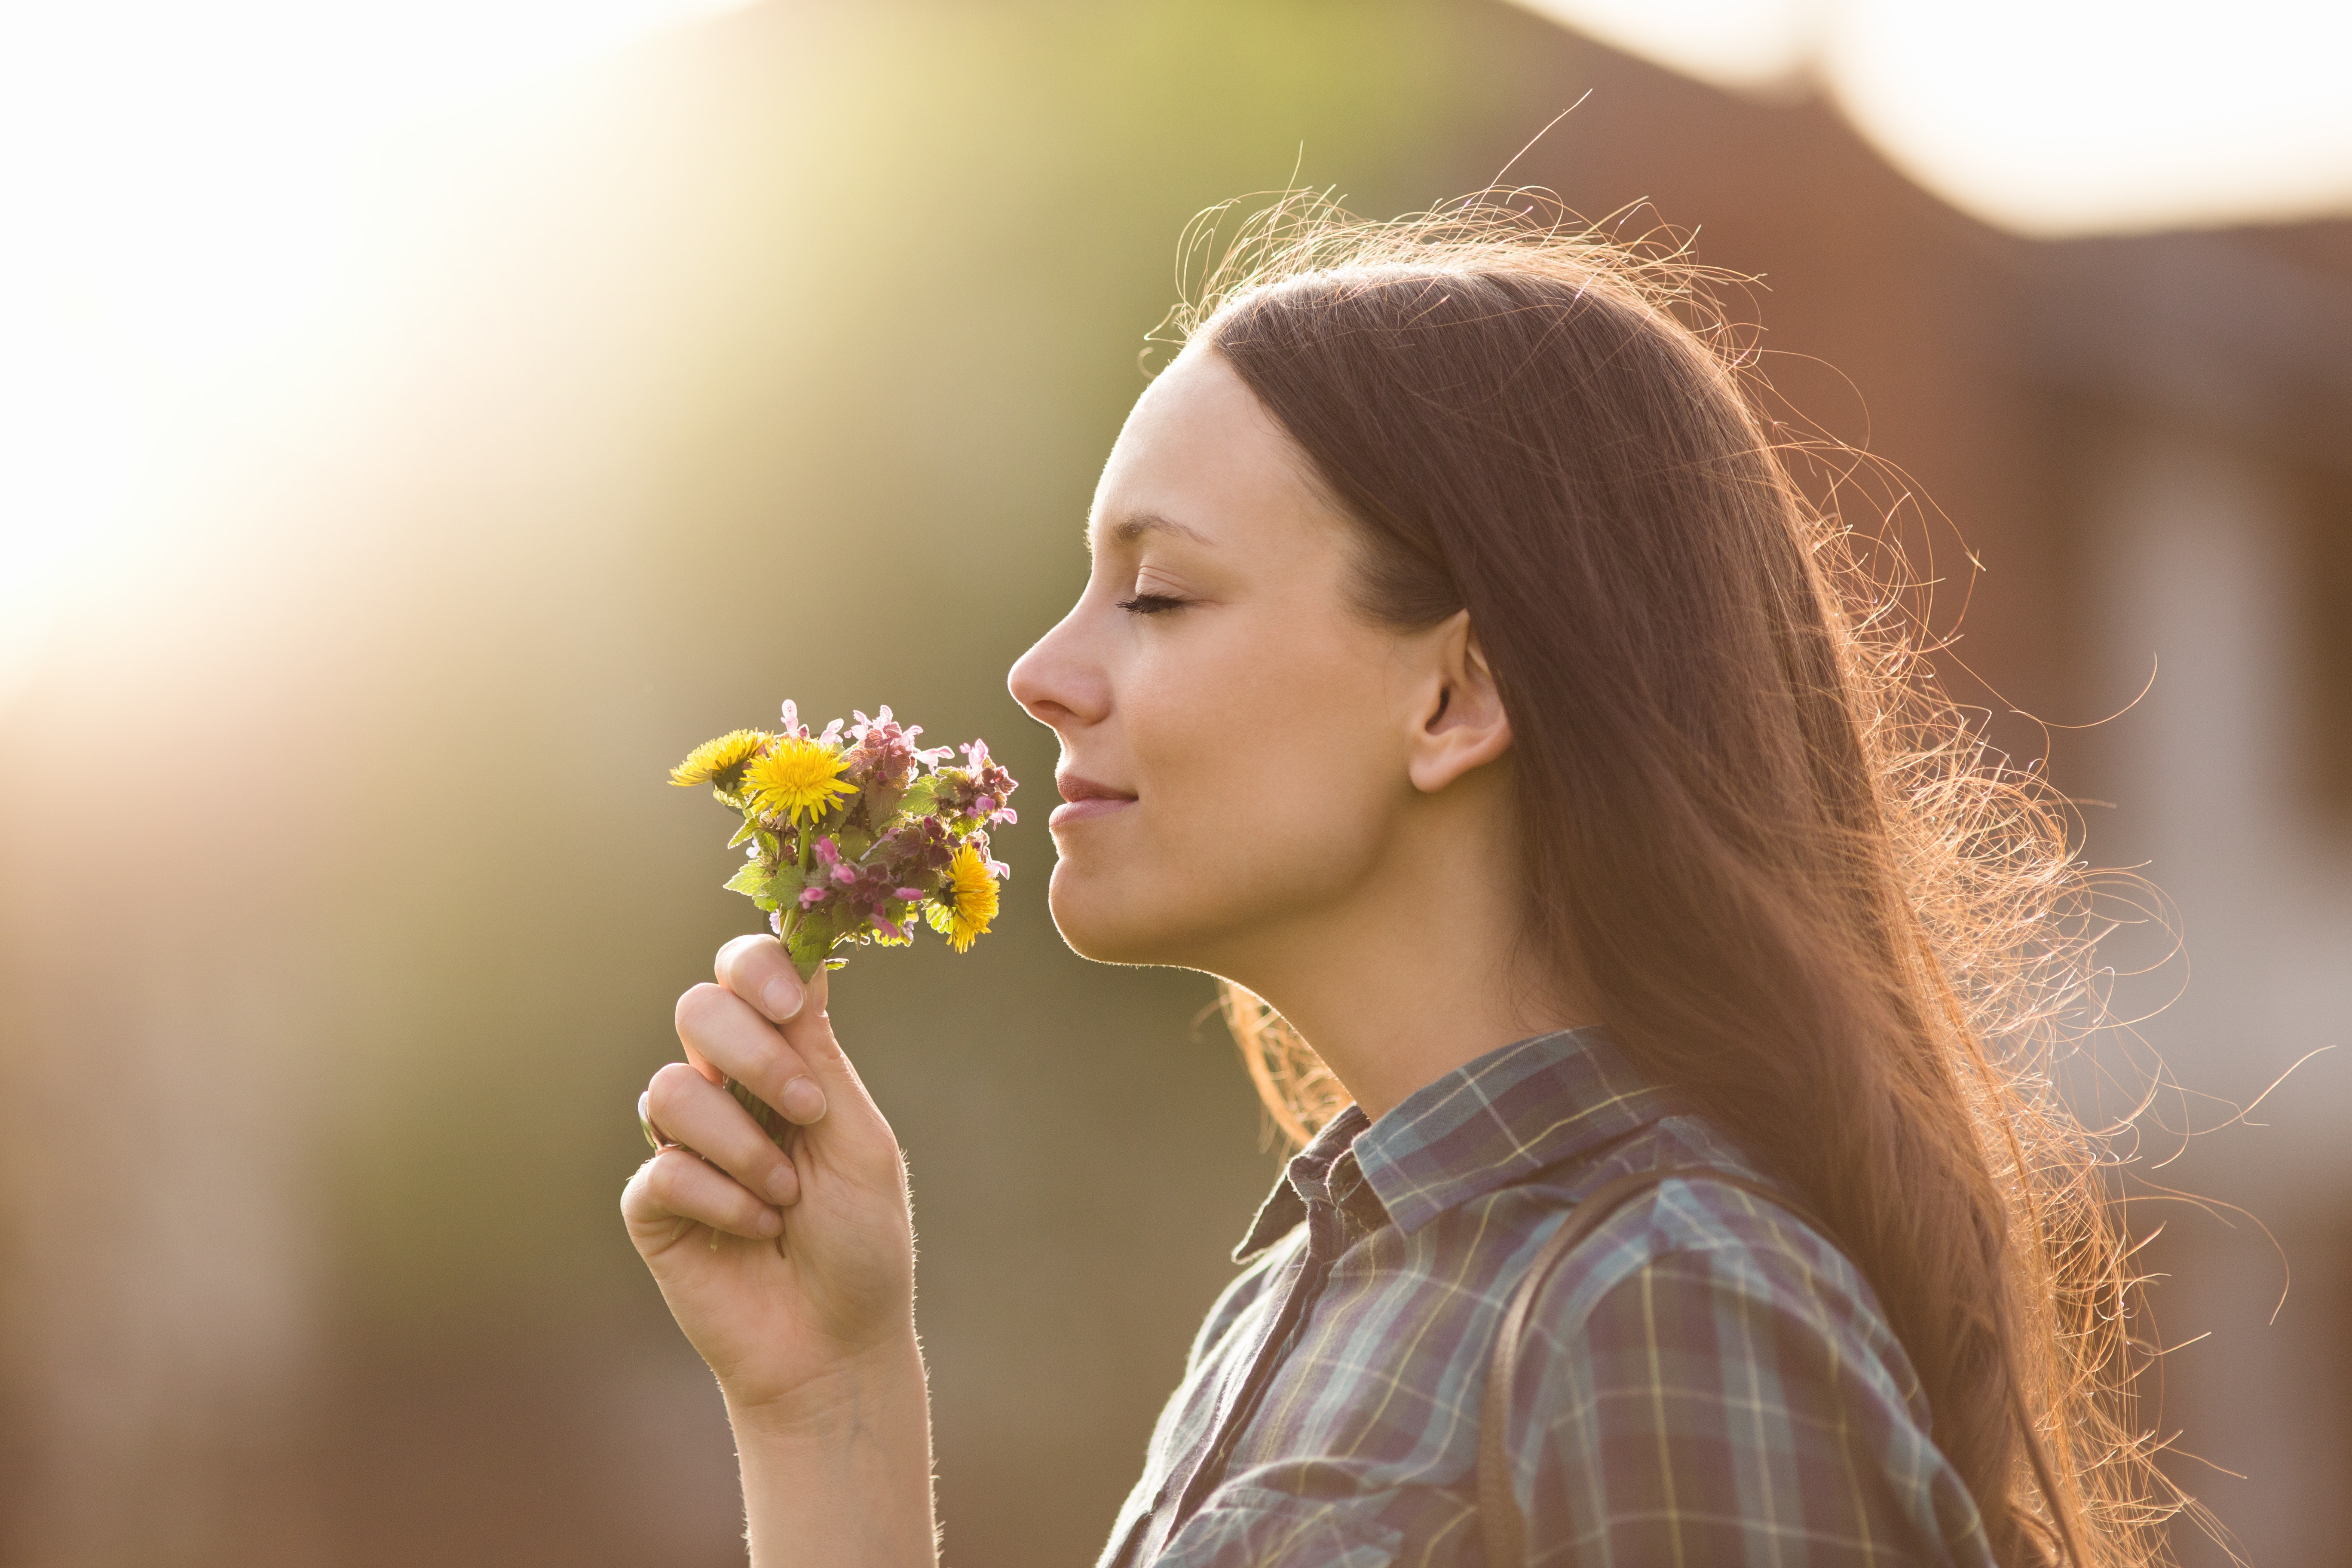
1741 43
2055 119
2048 118
199 201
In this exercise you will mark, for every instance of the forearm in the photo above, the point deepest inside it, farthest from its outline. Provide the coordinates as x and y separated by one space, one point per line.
844 1481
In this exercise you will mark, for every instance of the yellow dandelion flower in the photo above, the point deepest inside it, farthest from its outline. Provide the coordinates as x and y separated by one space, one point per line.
712 758
967 904
798 777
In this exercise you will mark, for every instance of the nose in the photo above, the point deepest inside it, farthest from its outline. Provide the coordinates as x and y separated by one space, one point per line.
1060 682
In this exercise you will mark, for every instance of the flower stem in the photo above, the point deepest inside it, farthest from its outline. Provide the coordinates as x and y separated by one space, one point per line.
791 922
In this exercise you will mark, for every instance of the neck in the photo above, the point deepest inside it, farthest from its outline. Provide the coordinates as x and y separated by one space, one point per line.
1394 995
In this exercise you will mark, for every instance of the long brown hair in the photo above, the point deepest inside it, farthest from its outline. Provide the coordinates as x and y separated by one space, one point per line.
1757 837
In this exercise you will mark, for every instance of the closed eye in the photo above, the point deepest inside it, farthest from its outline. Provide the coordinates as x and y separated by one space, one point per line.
1152 603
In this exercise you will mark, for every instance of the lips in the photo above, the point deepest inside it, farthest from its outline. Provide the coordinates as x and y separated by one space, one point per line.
1084 800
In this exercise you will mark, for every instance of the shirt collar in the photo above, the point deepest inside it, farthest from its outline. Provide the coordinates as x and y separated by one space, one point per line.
1307 1174
1491 1123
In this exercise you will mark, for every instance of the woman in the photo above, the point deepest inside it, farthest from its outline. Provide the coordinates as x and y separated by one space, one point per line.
1461 673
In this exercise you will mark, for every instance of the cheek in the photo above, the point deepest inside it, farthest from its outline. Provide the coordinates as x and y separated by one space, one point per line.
1268 776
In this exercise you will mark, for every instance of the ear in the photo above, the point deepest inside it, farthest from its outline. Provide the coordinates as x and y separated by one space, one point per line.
1459 723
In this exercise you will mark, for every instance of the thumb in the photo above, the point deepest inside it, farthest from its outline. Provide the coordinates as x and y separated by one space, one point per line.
808 1030
810 1033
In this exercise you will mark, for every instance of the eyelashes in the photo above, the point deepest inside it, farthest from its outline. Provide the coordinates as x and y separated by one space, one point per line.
1152 603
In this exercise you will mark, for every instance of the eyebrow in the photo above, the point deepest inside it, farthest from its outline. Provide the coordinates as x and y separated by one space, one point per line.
1127 530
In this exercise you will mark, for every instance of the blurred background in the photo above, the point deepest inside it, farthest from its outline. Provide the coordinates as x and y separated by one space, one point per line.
419 423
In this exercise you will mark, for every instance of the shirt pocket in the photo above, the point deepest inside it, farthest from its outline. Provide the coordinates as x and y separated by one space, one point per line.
1251 1527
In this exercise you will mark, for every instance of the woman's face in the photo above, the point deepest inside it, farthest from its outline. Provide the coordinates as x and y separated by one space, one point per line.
1234 733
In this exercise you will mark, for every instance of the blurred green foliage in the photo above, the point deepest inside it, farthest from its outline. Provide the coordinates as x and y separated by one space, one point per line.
779 362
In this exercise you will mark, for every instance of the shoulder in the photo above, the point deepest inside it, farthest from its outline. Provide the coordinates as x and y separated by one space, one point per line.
1724 1284
1709 1364
1690 1242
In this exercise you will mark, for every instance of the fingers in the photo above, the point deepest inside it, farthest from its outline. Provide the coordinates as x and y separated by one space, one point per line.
725 1037
673 1183
757 969
692 1110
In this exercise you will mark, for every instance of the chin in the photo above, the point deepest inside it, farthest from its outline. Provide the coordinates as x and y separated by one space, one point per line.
1110 921
1095 921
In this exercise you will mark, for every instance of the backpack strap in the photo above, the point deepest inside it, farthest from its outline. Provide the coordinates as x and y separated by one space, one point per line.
1499 1518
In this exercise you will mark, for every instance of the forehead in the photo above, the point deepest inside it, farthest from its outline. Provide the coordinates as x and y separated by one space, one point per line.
1199 459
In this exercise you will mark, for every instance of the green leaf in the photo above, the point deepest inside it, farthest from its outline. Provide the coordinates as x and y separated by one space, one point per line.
920 796
751 878
742 834
810 939
769 849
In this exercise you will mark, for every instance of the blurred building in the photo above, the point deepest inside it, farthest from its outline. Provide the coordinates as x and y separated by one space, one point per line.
2206 378
341 906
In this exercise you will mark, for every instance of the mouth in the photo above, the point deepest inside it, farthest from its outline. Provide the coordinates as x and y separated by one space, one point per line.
1084 800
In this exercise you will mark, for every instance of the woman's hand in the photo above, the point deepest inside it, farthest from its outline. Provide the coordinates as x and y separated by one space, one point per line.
789 1269
792 1269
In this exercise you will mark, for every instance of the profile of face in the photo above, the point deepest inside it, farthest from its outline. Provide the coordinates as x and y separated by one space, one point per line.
1247 756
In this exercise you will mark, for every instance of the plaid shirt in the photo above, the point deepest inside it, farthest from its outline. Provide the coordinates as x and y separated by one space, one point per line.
1706 1380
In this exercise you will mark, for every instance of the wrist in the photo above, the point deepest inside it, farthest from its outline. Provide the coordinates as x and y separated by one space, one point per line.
838 1471
837 1401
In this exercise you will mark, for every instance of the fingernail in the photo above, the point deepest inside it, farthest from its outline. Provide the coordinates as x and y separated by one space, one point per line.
782 997
802 1101
784 1186
770 1222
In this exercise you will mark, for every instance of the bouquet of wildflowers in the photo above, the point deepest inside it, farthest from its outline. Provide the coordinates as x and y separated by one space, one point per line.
850 833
